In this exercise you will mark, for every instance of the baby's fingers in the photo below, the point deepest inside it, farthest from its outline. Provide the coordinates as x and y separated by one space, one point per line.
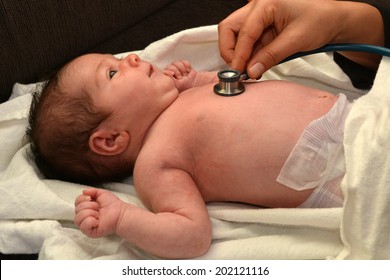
179 68
88 226
92 192
82 198
85 214
169 72
183 66
91 205
173 71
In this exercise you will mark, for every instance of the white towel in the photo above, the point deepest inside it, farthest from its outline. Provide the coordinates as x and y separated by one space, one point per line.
366 219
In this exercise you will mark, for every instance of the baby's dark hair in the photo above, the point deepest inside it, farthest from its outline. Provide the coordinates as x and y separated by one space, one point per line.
60 125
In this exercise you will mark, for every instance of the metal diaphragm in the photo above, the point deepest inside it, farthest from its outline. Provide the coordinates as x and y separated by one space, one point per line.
229 83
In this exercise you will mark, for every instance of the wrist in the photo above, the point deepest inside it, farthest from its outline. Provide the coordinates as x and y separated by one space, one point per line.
359 23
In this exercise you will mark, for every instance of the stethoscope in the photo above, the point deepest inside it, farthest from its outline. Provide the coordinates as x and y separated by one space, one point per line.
230 80
230 83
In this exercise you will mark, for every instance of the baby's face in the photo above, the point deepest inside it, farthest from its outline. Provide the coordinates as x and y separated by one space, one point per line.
123 87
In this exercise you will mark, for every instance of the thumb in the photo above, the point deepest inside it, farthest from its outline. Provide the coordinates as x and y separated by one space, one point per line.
270 55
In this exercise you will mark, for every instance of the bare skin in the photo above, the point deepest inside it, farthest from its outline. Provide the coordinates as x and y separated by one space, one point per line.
200 147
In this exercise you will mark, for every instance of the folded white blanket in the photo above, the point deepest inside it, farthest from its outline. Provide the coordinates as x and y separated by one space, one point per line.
365 228
36 214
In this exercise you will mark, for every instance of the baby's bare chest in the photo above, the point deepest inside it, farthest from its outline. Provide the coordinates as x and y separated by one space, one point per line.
224 144
231 146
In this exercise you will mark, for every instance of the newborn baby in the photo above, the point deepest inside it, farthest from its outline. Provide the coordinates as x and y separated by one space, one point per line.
278 144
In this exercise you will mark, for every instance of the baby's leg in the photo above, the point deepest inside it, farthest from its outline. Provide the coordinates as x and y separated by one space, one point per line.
97 212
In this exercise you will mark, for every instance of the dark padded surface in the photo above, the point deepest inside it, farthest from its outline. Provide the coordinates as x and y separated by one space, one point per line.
39 36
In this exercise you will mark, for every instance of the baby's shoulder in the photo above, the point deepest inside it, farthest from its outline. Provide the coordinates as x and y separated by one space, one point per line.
157 163
162 149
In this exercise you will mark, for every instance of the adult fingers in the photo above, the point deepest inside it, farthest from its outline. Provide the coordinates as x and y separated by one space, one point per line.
263 16
228 30
271 54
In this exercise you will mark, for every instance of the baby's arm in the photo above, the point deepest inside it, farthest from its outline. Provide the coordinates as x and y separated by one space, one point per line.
185 77
179 227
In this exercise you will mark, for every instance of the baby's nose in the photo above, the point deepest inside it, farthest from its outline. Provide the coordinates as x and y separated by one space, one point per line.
132 59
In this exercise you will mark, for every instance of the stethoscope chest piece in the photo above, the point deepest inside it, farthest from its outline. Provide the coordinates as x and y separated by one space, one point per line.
229 83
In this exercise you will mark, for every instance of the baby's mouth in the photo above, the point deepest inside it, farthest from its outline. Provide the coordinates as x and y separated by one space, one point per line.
151 72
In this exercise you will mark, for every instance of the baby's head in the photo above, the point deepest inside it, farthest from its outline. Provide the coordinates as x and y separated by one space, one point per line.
82 122
59 129
60 124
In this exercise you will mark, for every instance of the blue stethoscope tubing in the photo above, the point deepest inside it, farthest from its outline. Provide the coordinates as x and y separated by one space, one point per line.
343 47
222 89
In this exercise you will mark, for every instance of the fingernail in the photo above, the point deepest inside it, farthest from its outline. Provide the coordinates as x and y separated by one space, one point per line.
257 70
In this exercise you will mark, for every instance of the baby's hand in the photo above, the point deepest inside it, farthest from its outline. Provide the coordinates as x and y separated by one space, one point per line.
97 212
182 73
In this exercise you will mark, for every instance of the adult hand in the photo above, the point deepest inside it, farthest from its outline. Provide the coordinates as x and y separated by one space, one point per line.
264 32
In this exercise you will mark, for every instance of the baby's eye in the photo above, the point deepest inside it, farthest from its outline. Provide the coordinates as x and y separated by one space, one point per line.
111 74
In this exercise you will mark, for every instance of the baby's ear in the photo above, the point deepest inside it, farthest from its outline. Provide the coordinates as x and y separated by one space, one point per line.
109 143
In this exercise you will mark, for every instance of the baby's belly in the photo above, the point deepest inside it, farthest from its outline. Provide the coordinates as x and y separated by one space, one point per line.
250 139
259 188
281 99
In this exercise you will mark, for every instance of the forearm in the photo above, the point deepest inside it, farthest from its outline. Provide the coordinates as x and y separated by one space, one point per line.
385 12
167 235
360 23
